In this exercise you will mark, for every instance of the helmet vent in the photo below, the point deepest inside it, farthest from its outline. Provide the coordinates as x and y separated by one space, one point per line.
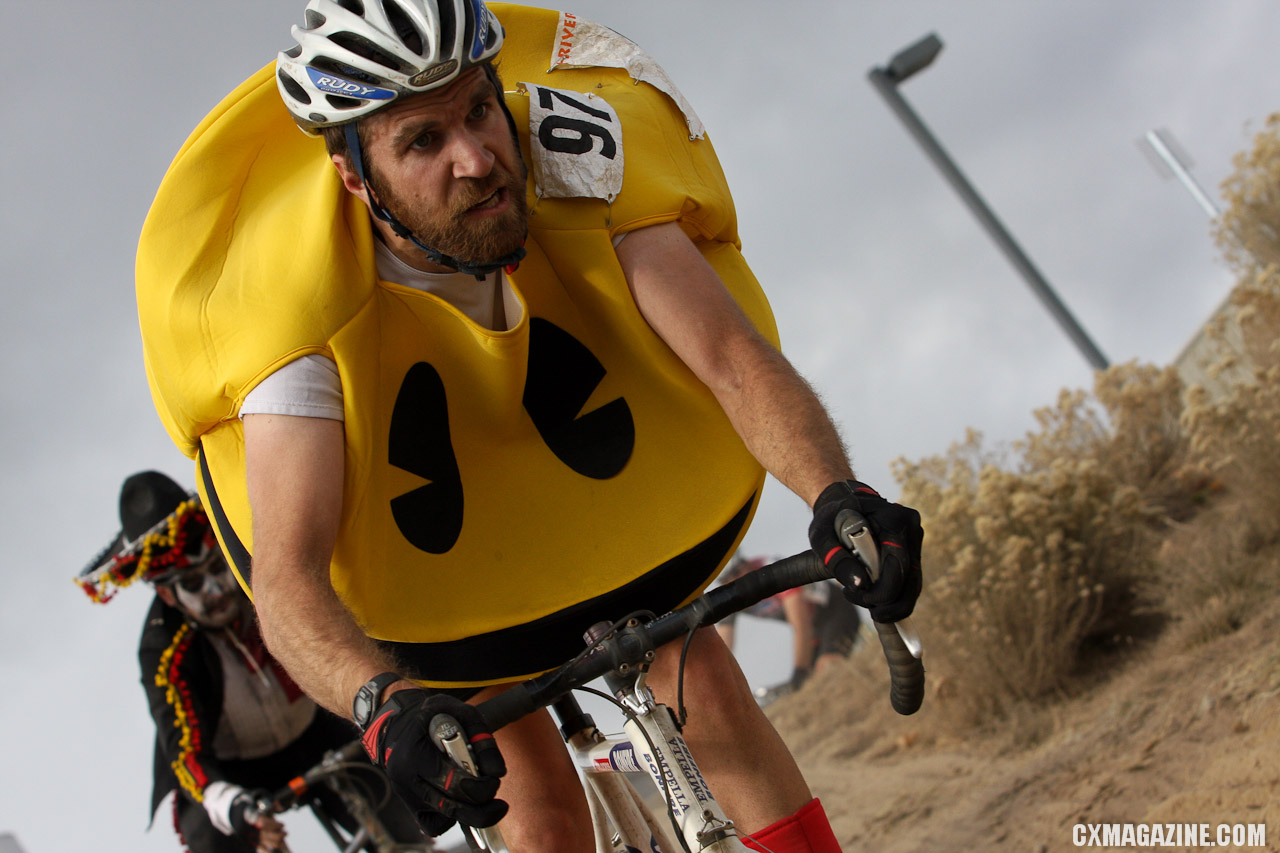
339 102
355 7
495 33
291 86
362 47
448 28
293 52
312 20
405 30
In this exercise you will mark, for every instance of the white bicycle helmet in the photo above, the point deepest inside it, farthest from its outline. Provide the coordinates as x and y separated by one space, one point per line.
356 56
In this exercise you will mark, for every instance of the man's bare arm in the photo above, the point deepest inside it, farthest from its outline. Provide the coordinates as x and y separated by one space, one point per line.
294 469
770 405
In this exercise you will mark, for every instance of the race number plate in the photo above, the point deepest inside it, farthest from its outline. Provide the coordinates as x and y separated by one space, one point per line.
577 144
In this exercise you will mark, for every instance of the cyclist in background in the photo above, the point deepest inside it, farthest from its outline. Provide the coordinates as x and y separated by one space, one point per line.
824 626
474 364
229 720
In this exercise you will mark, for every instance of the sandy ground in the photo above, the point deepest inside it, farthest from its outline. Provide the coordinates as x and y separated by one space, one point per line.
1168 735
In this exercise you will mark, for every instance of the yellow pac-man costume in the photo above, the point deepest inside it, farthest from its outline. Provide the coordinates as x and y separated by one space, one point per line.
503 489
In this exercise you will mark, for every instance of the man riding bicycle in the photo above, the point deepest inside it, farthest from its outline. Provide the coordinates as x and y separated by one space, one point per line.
480 370
229 720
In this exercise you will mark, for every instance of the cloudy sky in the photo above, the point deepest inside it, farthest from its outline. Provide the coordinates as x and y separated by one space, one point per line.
888 294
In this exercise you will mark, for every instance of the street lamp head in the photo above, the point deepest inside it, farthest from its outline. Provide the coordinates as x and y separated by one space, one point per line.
915 58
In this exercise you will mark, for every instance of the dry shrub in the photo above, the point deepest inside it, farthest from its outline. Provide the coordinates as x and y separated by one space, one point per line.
1036 552
1032 554
1237 434
1236 431
1147 446
1216 572
1032 557
1248 231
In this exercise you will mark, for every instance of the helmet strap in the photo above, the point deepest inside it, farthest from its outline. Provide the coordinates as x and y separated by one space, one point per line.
435 256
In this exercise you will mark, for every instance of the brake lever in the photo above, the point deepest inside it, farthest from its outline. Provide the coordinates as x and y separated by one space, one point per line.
853 533
447 735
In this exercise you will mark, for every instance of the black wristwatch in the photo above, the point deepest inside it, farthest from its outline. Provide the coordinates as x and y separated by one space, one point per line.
366 701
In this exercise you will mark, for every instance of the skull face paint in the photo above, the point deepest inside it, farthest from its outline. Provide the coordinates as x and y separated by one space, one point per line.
210 594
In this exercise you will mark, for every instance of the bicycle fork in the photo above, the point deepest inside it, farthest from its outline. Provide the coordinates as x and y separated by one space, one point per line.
660 749
657 748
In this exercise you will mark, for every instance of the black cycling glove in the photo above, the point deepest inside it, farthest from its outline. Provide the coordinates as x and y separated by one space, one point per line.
898 536
243 817
436 790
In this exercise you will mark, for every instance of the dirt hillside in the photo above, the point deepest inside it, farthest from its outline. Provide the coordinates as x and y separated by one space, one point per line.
1167 734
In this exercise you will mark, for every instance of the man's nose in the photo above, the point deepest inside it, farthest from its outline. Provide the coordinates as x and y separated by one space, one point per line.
471 156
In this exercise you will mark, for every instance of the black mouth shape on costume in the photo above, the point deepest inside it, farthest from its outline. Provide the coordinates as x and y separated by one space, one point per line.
543 643
550 641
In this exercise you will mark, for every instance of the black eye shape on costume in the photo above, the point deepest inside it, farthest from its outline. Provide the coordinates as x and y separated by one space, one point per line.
430 516
562 375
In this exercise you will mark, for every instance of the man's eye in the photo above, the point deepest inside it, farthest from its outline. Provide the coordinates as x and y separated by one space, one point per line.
480 110
423 141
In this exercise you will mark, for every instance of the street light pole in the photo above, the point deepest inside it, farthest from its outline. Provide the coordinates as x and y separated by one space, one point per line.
886 80
1171 162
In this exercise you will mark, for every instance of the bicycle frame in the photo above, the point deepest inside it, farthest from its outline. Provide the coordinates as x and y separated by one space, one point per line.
657 747
622 820
621 654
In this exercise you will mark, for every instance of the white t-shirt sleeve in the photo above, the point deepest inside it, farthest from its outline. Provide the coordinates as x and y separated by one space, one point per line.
307 387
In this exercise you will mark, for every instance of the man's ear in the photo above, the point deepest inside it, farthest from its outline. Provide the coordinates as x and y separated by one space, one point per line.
166 595
347 172
352 181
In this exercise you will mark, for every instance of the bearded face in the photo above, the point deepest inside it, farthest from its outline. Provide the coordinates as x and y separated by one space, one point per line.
483 220
447 165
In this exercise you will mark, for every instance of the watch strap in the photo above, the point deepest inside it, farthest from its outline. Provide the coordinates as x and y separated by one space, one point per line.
365 702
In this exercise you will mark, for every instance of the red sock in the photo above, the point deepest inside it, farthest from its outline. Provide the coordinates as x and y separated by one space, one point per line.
806 831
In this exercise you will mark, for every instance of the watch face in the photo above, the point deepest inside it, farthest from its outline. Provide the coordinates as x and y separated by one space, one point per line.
362 707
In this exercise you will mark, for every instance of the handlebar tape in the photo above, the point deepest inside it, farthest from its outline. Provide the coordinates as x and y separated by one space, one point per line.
906 673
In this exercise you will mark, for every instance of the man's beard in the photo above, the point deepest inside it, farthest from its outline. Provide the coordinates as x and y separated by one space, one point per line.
449 231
